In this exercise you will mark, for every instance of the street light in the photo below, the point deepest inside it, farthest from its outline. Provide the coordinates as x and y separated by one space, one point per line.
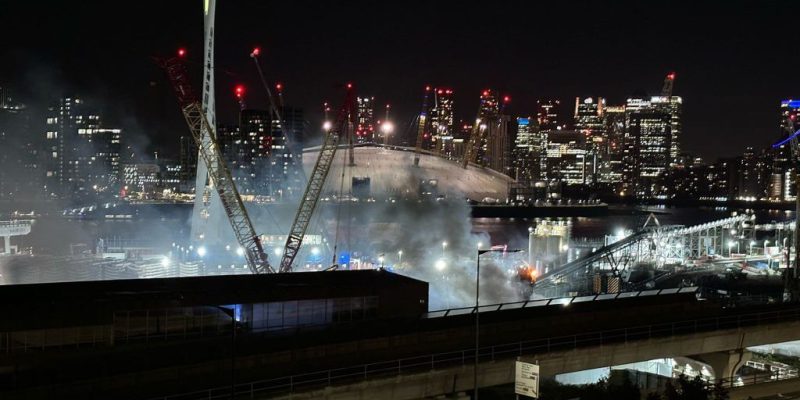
477 309
730 246
752 243
399 257
444 245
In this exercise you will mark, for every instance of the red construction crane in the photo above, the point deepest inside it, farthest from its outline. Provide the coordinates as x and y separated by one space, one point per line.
345 121
203 134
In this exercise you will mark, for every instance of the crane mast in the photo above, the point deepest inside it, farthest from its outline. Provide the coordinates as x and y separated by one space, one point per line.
203 134
423 117
343 125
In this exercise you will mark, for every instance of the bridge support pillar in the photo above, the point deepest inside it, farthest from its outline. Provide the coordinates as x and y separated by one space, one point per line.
725 363
7 244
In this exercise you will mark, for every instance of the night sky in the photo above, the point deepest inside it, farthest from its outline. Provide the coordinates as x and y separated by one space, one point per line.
734 60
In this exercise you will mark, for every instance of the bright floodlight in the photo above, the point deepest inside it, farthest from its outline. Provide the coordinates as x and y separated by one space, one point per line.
387 127
327 125
240 251
277 251
201 251
315 251
440 265
565 247
730 244
165 262
620 233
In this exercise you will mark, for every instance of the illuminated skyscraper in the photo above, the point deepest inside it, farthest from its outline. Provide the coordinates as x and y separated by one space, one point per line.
649 148
442 120
365 119
547 114
20 173
588 119
82 156
781 187
530 152
611 167
566 156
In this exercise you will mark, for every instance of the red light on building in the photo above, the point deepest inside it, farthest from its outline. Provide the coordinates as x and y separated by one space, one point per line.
181 52
239 91
671 76
485 93
349 85
427 88
256 52
507 99
279 86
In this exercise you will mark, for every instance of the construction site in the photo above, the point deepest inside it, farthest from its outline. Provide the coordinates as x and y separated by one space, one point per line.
371 205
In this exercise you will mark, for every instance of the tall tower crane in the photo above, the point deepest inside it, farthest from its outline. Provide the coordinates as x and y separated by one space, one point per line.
421 125
204 136
345 121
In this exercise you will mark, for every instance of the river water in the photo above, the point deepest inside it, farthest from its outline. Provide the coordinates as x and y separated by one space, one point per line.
55 235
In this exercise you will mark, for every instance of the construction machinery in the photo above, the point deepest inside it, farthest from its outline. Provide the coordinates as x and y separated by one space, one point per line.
204 135
276 107
345 121
421 126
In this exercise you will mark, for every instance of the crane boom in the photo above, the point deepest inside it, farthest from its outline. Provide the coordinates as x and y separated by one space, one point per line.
203 134
423 117
343 125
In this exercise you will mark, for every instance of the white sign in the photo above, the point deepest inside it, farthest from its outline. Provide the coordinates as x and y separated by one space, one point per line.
526 381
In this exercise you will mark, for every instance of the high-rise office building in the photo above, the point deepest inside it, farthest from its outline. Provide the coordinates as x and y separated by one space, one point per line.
547 114
188 164
442 121
365 119
82 156
566 156
672 105
588 119
529 154
286 153
781 182
611 167
649 149
20 173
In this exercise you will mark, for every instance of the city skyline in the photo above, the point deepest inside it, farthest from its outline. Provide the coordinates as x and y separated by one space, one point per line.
711 78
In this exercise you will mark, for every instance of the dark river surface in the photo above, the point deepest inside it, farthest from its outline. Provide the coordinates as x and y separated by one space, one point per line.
55 234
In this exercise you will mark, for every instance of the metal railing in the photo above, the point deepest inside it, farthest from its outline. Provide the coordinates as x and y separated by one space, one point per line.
562 301
466 357
746 380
